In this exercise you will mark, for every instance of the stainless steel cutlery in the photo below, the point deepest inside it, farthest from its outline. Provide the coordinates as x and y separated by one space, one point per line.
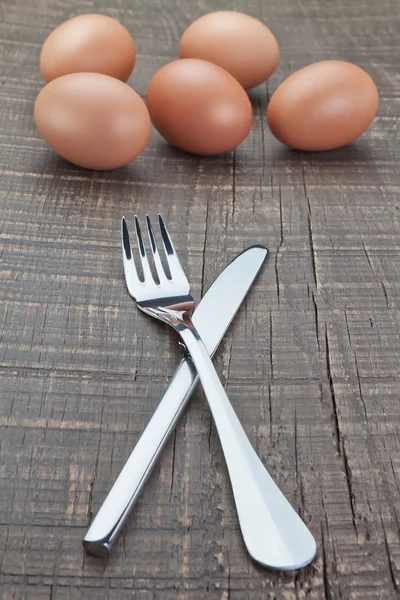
230 288
274 534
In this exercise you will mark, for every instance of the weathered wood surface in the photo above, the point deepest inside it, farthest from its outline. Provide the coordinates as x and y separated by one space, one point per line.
311 363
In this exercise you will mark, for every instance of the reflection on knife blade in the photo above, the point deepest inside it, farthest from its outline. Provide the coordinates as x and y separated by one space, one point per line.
230 289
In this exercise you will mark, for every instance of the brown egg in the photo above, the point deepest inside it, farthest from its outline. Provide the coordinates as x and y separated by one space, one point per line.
88 43
323 106
93 120
238 43
199 107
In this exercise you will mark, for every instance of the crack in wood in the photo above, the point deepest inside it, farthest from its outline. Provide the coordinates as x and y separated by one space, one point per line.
310 232
349 481
270 412
278 251
89 513
311 244
385 294
347 324
316 319
368 259
332 393
302 503
210 428
204 247
359 388
271 361
172 468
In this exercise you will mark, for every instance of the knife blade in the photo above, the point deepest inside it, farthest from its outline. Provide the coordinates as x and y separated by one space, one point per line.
230 289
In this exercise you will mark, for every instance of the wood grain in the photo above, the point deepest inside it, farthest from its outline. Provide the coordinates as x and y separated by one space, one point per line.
311 363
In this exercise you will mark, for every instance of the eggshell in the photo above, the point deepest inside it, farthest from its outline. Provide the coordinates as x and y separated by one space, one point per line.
238 43
88 43
92 120
199 107
323 106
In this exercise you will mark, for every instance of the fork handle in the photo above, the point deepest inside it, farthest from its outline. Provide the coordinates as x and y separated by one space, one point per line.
273 532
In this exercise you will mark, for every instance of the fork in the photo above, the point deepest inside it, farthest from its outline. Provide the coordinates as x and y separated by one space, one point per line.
273 532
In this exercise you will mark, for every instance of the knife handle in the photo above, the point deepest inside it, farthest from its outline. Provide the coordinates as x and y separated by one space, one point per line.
119 502
273 532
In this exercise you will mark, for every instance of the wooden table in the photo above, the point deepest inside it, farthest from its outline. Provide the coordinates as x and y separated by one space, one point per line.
311 362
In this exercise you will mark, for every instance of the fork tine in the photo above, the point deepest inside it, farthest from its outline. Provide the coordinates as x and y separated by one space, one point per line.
174 264
129 263
156 256
147 274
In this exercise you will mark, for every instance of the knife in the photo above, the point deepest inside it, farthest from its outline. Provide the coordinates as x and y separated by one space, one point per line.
229 289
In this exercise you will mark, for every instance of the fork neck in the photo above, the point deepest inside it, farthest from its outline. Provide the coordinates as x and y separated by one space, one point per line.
177 314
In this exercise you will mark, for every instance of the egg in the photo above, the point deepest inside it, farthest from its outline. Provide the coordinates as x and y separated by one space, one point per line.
88 43
238 43
323 106
199 107
92 120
